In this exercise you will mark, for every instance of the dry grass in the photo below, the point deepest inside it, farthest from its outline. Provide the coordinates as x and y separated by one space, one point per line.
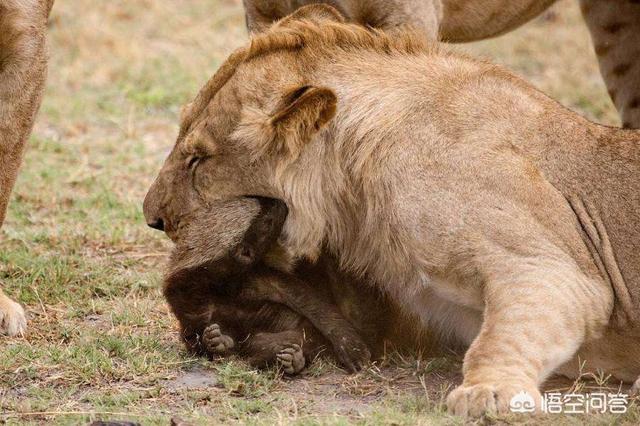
76 252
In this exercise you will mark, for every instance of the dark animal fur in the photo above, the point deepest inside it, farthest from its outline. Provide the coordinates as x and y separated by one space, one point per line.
263 310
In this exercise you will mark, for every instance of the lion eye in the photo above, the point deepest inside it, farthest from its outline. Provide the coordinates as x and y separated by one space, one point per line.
193 161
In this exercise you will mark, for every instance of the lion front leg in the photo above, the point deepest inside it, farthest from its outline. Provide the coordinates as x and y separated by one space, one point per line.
537 314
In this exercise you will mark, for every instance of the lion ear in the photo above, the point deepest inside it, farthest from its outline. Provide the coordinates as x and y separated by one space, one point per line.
314 12
185 111
301 113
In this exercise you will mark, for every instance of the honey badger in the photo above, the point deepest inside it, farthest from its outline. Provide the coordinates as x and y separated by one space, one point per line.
235 291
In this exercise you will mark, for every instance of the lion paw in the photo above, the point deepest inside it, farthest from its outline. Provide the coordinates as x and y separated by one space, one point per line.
216 343
480 399
12 318
291 359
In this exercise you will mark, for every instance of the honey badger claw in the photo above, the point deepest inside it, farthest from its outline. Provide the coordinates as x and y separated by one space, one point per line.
291 359
215 342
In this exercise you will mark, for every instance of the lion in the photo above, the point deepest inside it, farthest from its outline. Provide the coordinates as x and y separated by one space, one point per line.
614 28
468 197
229 300
23 70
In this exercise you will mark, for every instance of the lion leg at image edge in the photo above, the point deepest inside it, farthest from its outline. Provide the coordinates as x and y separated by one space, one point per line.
522 340
615 32
12 318
22 79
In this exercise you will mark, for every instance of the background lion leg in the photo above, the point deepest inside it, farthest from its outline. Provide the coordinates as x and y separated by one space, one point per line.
536 318
615 32
464 21
261 14
424 15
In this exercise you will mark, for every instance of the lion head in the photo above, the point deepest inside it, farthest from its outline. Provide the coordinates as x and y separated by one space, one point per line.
262 115
256 110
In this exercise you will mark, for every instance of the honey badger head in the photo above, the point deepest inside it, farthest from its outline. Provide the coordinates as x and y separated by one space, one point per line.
232 234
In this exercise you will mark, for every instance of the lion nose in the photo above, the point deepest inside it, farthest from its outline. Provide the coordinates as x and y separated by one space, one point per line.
157 224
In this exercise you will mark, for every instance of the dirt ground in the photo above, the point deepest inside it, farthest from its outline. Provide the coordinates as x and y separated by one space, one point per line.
76 253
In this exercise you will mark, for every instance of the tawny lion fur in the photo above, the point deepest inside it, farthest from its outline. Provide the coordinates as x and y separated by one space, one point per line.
470 198
614 27
23 69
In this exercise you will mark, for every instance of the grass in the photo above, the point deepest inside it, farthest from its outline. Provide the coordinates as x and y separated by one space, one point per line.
76 252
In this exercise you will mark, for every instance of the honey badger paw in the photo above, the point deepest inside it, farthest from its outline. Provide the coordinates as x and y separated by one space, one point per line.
216 343
351 352
12 318
291 359
487 398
